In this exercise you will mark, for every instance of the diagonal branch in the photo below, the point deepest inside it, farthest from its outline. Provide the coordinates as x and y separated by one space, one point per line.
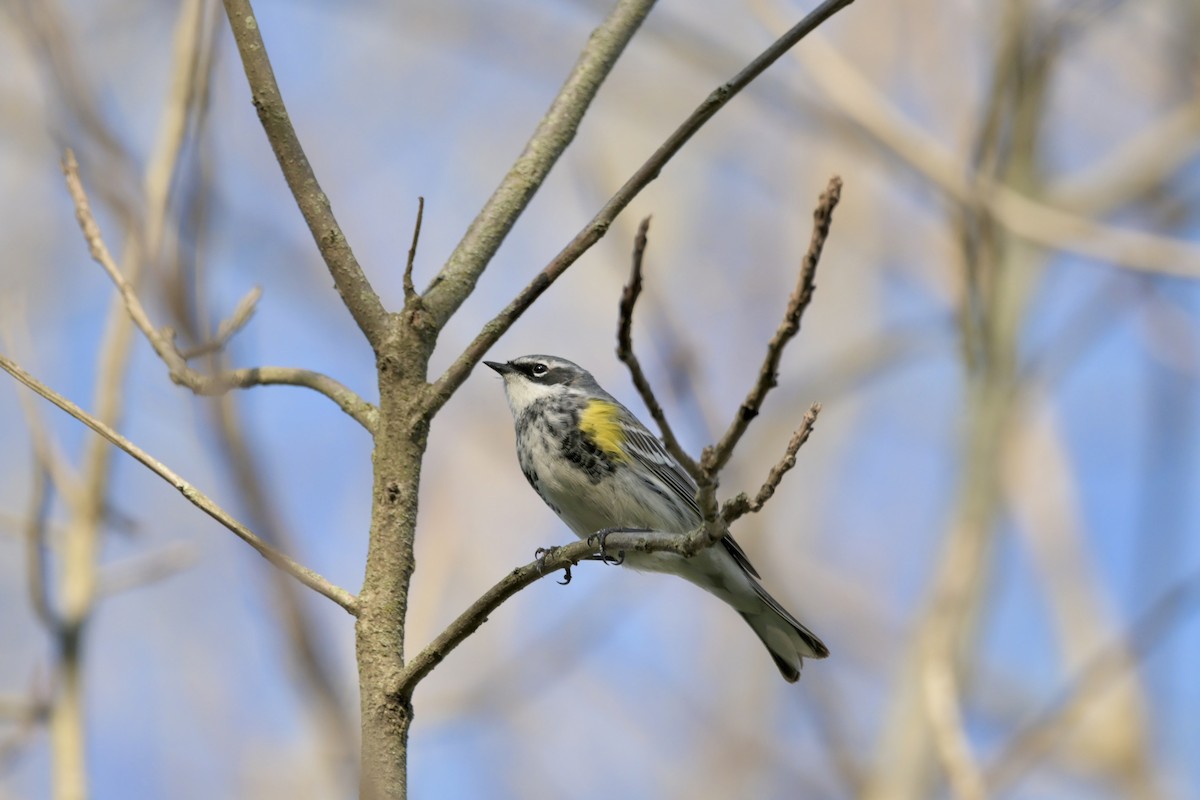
163 342
301 573
592 232
352 284
717 456
629 298
554 133
741 505
554 559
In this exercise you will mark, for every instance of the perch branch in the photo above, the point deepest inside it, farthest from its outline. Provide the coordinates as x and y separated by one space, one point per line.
554 559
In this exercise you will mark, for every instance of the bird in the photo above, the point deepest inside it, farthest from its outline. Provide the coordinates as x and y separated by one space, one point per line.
599 468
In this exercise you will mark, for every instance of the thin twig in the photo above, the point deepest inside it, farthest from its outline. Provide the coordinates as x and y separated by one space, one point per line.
303 574
629 298
228 328
742 504
453 377
410 291
362 412
351 282
717 456
164 345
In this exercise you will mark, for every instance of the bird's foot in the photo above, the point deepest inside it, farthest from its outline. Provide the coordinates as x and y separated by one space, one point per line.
600 538
540 559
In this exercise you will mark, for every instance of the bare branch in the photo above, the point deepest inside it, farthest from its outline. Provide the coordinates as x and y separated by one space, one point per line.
553 134
410 291
362 412
554 559
163 343
352 284
598 225
629 297
741 505
303 574
229 327
717 456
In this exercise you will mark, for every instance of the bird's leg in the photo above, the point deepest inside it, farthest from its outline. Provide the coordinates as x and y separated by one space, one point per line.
540 559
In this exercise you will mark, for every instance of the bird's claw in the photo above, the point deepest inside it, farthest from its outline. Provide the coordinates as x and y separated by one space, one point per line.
600 538
539 556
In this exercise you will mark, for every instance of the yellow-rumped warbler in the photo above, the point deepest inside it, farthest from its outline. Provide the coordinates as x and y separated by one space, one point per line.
597 467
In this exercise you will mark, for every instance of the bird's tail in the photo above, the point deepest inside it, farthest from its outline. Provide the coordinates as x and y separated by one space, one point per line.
788 642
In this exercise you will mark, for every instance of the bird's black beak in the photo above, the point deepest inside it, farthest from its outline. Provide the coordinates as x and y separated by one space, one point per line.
502 368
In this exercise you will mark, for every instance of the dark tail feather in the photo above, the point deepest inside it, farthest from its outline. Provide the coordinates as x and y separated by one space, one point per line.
788 642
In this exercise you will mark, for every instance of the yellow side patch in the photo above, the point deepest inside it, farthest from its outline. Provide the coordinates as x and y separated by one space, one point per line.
600 422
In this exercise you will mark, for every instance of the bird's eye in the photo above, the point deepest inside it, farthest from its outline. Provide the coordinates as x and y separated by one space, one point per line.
539 370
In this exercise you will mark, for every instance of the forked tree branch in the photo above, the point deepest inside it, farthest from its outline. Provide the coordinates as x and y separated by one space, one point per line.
717 456
302 573
348 276
592 232
163 341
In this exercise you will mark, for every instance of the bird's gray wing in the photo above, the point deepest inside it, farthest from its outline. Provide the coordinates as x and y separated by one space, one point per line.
646 449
